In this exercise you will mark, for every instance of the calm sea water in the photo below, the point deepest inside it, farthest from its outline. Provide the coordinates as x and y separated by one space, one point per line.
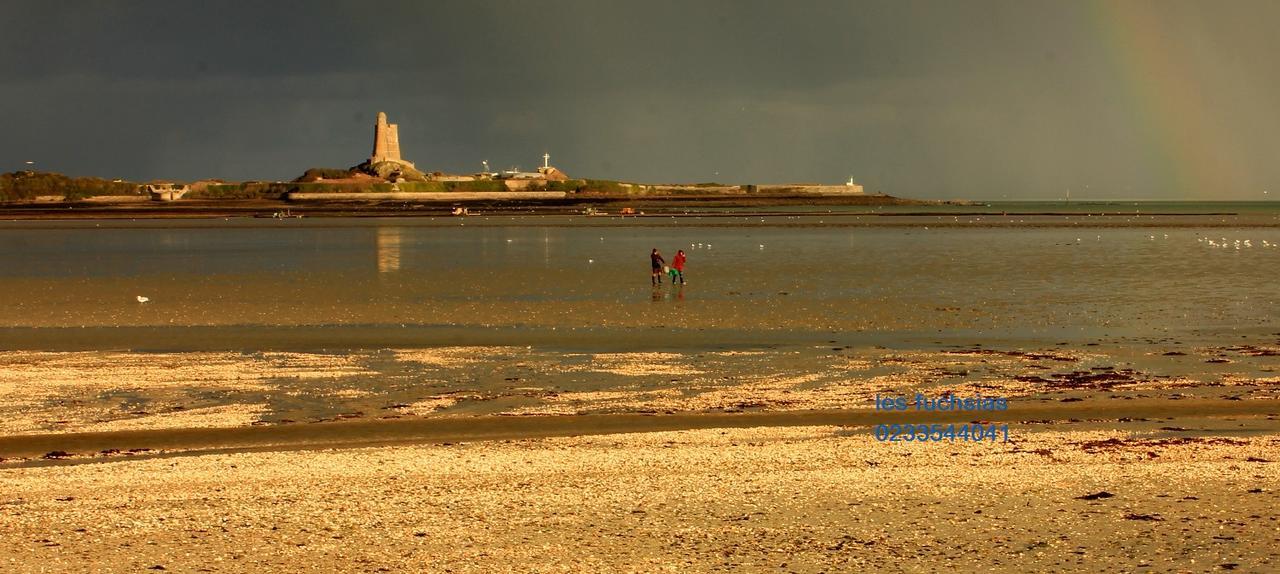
809 275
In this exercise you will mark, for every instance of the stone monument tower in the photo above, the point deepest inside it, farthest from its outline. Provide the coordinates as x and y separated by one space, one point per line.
385 162
386 141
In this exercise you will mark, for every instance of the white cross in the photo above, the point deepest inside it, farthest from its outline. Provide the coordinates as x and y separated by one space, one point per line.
546 160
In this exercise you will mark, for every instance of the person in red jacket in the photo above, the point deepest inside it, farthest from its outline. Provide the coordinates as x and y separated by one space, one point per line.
678 265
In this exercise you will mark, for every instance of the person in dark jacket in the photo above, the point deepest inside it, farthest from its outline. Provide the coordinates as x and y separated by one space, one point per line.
656 260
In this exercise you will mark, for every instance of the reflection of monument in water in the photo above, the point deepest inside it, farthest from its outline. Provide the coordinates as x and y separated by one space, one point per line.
388 249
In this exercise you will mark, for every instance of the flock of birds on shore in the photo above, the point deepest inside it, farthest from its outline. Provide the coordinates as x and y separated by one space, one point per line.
1238 244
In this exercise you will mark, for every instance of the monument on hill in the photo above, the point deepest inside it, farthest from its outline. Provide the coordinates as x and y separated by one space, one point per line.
386 142
385 162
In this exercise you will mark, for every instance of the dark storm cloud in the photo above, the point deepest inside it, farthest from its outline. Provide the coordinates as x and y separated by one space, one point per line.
930 99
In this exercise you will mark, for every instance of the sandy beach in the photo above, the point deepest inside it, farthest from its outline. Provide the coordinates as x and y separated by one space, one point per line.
795 499
1101 474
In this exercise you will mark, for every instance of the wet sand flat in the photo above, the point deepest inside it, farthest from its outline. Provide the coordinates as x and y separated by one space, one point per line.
1197 417
802 275
61 392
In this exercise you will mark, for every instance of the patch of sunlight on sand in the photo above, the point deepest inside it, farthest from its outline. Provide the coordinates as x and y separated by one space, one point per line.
341 393
37 388
434 403
222 416
447 357
641 364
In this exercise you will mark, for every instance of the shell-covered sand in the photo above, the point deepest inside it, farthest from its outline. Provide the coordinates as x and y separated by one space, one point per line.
1084 484
805 499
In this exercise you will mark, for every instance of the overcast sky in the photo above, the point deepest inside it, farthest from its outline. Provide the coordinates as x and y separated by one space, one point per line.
972 99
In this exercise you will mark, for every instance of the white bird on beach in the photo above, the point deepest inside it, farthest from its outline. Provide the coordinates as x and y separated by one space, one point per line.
142 299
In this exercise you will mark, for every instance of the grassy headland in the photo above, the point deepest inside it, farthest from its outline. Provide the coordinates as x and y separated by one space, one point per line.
339 192
29 185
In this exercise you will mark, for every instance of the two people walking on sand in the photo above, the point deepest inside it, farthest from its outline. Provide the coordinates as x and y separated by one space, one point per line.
658 265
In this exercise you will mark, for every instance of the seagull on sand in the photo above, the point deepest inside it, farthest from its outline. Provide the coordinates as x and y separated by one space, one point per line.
142 299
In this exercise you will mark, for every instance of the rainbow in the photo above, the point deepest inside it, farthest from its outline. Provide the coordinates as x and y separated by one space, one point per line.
1190 147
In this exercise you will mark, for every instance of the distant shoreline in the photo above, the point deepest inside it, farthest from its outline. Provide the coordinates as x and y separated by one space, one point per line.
427 204
609 206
